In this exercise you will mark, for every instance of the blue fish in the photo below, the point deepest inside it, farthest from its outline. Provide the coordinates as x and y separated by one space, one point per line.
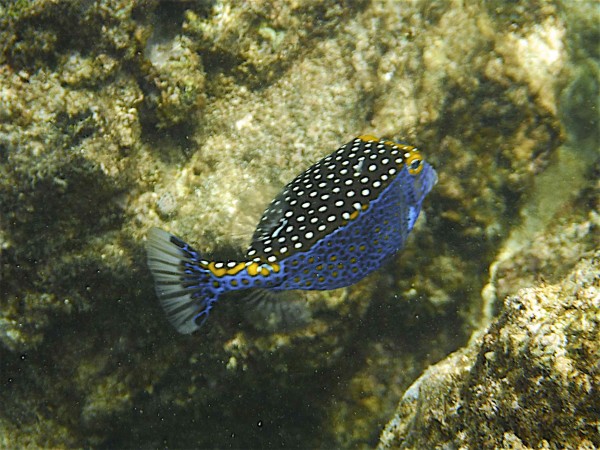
331 226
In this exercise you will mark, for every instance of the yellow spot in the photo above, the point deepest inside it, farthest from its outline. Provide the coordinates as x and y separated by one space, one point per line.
308 283
377 229
216 284
333 258
296 279
352 248
311 259
244 281
234 282
252 269
367 138
218 272
236 269
353 260
354 215
319 267
334 274
295 262
321 279
264 271
340 265
362 248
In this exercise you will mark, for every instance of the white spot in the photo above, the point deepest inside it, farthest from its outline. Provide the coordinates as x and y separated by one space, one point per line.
309 235
384 161
322 184
293 202
289 229
366 192
384 177
322 227
372 168
275 233
330 176
289 214
305 204
345 162
350 193
392 171
348 182
272 258
283 250
268 249
295 237
314 220
300 218
219 265
343 171
231 264
300 194
339 203
281 239
357 206
364 180
313 194
323 208
331 218
251 252
398 161
346 216
358 167
336 190
325 196
376 184
298 245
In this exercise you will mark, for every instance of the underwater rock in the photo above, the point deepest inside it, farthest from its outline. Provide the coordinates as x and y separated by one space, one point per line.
529 381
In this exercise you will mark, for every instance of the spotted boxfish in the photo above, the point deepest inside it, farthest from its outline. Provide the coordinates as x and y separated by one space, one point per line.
331 226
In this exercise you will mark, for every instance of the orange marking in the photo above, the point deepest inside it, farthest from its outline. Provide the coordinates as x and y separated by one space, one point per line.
367 138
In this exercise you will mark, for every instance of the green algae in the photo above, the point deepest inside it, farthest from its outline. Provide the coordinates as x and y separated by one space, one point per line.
212 108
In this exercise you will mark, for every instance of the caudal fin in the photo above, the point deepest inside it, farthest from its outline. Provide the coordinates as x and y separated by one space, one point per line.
182 286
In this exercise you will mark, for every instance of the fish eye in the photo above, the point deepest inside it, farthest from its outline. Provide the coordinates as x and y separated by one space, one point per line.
414 163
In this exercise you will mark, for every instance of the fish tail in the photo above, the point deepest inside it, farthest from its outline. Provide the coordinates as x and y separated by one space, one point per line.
182 284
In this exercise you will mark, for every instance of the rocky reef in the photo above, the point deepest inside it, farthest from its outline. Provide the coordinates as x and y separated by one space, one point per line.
529 381
118 116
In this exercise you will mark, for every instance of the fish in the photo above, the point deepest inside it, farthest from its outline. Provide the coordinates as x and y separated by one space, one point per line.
331 226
